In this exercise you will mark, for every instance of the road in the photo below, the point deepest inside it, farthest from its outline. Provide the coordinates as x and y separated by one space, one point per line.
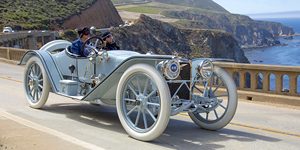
67 124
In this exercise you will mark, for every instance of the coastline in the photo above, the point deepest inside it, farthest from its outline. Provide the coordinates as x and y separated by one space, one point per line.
296 34
249 47
276 55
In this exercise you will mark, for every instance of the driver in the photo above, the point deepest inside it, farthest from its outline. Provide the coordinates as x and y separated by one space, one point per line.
77 45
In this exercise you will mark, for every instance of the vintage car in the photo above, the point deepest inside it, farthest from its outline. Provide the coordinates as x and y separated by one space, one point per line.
145 88
7 30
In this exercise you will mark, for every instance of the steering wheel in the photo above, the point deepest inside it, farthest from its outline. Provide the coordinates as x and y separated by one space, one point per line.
93 43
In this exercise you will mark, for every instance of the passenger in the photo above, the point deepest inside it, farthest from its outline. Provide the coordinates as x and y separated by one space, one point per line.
108 42
84 35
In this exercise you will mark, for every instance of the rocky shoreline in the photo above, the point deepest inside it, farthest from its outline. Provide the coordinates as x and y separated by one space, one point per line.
286 37
264 46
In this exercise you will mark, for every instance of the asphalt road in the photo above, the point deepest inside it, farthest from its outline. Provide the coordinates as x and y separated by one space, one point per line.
67 124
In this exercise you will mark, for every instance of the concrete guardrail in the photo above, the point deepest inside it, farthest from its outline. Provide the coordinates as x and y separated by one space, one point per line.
14 54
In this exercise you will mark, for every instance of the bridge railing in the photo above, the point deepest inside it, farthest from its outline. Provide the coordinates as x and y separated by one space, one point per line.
271 79
265 82
9 53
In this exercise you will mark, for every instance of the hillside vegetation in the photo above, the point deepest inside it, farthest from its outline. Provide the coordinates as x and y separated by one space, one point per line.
125 1
39 14
203 4
200 4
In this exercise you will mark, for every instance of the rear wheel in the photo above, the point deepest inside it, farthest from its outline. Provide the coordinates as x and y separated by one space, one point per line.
143 102
36 84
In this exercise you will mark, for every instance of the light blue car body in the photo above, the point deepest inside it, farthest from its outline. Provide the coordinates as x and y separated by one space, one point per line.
56 61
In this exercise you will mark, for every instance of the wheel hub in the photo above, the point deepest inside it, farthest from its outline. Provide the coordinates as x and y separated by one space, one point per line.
143 101
34 81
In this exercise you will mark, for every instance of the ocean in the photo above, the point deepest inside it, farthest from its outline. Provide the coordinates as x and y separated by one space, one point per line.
279 55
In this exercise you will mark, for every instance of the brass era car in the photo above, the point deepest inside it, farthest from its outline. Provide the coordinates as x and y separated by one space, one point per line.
145 88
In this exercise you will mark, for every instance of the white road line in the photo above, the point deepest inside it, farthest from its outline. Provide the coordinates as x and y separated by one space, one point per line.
10 79
50 131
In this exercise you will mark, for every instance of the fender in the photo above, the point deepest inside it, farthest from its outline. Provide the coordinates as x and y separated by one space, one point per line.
49 64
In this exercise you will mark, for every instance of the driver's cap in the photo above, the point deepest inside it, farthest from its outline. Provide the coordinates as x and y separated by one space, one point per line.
83 31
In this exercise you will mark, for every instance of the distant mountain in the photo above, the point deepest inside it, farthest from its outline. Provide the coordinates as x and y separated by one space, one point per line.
290 14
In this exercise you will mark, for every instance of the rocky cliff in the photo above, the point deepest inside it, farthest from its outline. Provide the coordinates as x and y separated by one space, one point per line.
101 14
248 32
148 34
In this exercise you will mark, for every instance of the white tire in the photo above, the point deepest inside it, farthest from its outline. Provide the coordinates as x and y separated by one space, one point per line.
143 118
36 83
215 121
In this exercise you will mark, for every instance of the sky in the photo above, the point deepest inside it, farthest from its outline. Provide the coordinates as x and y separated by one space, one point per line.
259 6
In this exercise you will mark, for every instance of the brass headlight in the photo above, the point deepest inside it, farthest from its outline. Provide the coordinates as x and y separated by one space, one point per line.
205 69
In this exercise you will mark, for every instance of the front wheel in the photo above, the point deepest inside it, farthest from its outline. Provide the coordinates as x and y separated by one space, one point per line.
143 102
36 83
218 101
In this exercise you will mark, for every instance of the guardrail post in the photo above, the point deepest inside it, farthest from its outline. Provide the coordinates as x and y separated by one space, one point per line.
293 84
266 82
43 40
7 53
278 83
242 79
253 83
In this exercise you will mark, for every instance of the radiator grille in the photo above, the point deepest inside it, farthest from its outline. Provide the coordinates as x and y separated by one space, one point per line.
185 74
